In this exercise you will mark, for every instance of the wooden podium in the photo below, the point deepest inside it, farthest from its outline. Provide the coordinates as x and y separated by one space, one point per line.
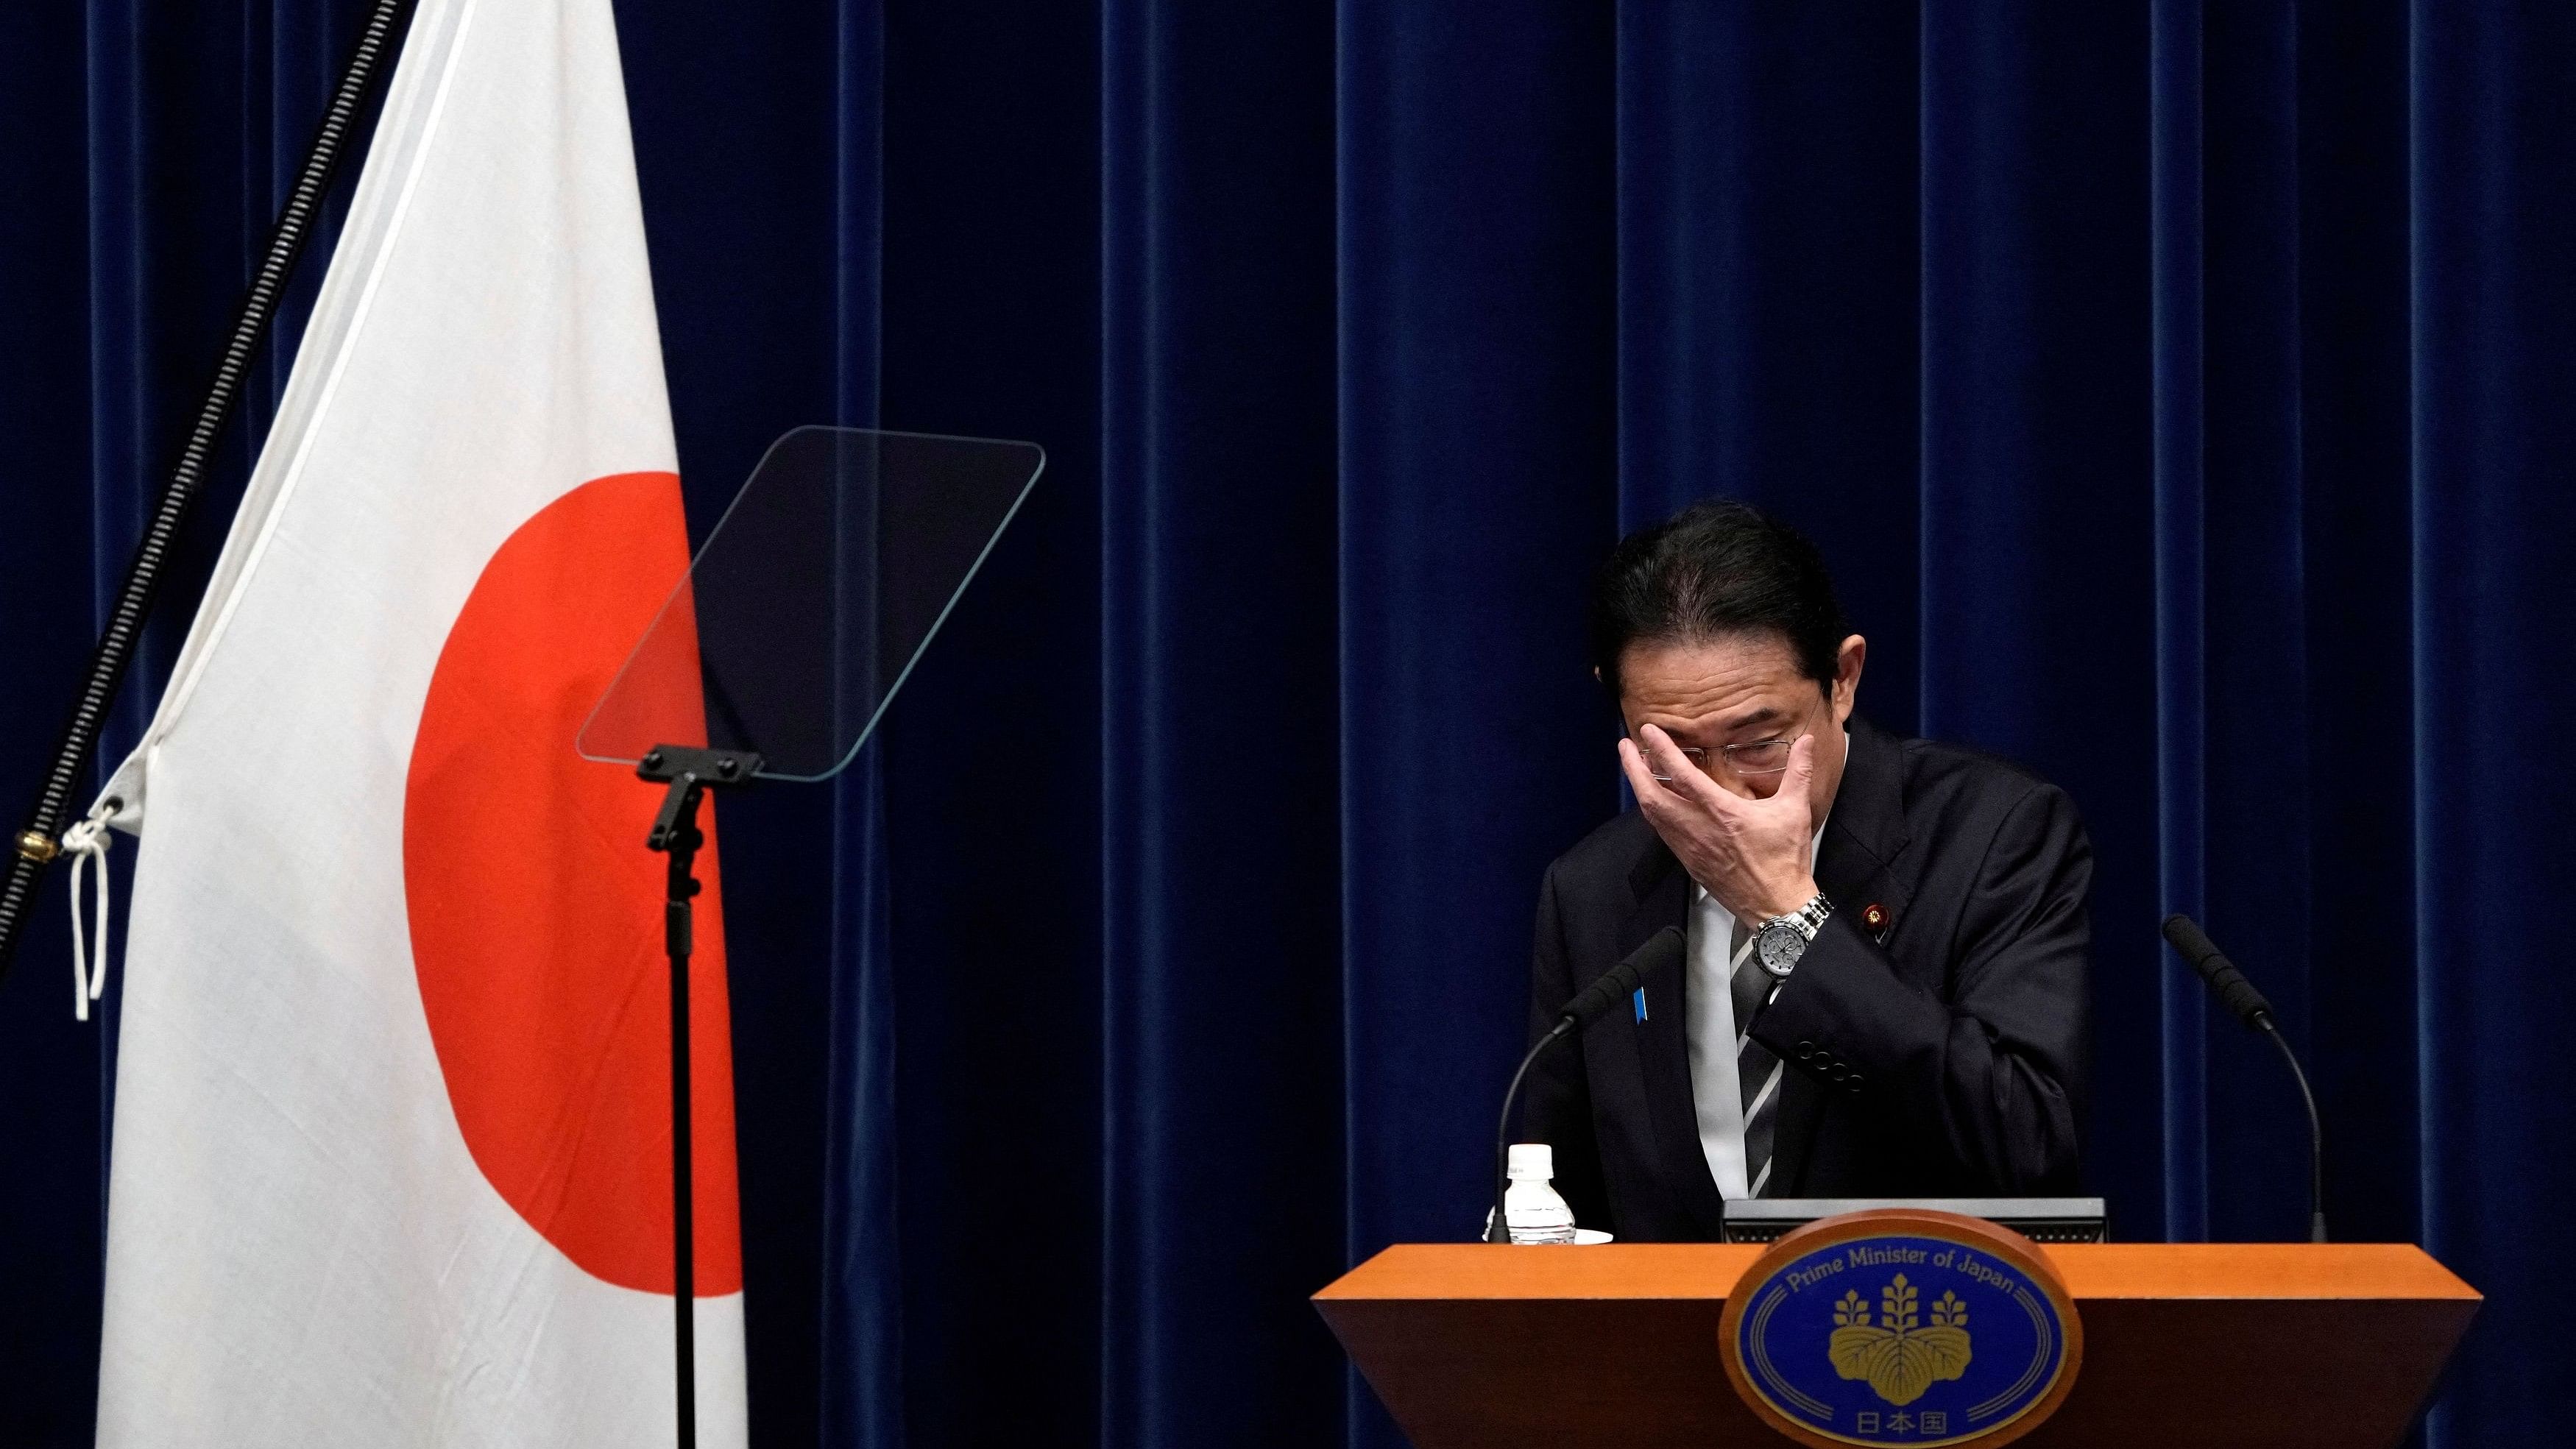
2319 1346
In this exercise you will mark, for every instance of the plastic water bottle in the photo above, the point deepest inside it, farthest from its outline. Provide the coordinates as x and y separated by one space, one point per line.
1532 1211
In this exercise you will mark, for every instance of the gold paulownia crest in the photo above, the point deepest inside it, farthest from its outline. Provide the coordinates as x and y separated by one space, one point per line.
1898 1359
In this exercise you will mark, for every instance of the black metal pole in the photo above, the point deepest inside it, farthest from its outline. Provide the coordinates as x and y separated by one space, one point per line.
2316 1133
38 844
689 773
679 939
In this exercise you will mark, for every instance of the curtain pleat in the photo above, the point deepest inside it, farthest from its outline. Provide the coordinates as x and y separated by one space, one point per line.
52 521
2176 389
1219 1012
1478 379
2175 197
2250 868
2354 533
2492 164
858 1397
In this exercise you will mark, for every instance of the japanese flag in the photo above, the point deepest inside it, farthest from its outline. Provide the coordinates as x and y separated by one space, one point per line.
392 1149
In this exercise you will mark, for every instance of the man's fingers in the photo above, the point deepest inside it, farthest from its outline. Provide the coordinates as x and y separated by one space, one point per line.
1658 747
1686 779
1642 780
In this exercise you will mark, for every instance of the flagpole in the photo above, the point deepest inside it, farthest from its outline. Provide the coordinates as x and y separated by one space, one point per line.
38 844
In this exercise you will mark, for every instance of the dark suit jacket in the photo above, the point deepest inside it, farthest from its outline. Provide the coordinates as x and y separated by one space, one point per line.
1941 1055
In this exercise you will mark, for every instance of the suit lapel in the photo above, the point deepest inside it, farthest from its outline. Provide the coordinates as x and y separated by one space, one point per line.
1865 834
1662 892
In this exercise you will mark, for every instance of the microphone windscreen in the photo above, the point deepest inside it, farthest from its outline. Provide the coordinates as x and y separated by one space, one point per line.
2240 996
2236 993
2189 939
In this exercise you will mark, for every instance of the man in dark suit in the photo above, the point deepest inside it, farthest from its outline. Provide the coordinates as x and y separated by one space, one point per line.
1884 990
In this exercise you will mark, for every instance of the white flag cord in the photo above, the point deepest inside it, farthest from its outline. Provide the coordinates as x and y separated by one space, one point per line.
87 844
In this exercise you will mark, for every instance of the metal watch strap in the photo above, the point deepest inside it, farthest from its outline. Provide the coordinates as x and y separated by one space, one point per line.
1808 919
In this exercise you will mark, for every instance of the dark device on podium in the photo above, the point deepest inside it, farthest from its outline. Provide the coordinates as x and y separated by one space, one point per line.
2040 1219
775 656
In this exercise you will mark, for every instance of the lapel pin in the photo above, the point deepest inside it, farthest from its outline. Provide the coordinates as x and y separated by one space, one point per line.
1874 916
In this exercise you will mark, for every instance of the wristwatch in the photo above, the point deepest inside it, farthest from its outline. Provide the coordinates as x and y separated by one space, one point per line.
1781 940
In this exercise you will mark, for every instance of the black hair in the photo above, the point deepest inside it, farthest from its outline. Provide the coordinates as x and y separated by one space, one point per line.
1716 568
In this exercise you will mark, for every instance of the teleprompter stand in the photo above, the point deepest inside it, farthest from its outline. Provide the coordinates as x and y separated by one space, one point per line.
690 773
774 658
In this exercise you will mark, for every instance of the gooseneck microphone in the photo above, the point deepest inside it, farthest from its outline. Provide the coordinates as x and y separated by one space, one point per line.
1661 950
2239 996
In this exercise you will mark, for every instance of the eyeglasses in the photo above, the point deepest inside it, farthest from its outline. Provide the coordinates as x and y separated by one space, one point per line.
1759 757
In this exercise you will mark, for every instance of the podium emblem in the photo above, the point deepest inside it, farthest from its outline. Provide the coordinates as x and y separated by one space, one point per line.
1901 1326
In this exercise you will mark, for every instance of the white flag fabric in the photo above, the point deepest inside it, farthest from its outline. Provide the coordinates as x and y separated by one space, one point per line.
392 1151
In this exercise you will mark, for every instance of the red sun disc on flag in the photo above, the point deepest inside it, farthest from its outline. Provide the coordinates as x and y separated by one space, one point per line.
536 911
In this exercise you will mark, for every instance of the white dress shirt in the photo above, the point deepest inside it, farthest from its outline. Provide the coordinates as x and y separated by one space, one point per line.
1712 942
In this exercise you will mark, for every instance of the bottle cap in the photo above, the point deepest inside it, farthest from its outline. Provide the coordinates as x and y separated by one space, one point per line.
1533 1160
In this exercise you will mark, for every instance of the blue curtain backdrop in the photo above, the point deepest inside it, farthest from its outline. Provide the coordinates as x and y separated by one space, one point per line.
2179 393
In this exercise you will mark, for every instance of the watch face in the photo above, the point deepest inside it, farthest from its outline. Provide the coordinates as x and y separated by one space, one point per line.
1780 947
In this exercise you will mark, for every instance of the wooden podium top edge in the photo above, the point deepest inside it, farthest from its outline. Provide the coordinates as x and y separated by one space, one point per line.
1415 1271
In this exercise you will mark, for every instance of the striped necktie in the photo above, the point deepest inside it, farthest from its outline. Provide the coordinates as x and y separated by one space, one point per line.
1757 1071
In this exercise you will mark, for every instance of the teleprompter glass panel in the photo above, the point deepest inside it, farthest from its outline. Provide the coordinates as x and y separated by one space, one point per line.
813 597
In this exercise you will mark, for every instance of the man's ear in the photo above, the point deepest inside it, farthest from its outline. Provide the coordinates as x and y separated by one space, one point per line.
1847 666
